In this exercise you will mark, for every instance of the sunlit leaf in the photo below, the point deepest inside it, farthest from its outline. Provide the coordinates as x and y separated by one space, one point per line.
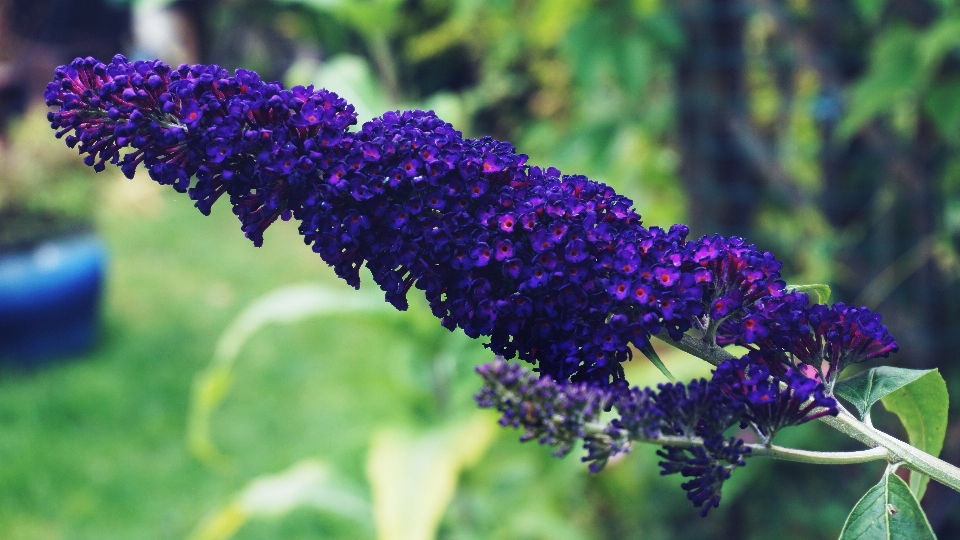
866 388
922 408
651 355
551 20
888 510
819 292
413 476
369 17
644 8
308 484
365 16
938 41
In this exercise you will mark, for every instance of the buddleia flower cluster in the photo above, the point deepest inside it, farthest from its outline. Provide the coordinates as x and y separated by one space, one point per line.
556 270
691 420
786 331
254 141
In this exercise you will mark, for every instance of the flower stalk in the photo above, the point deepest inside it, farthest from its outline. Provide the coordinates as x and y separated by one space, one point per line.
882 445
781 452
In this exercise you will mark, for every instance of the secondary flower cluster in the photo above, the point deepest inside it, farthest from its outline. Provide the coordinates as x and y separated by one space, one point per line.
707 465
772 402
690 420
556 415
738 276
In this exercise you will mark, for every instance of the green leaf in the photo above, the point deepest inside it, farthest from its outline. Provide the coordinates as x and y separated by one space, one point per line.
822 291
552 20
922 408
367 17
894 76
651 355
943 108
937 42
413 475
864 389
870 9
888 510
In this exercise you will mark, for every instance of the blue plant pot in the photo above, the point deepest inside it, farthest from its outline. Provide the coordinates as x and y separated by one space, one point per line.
50 300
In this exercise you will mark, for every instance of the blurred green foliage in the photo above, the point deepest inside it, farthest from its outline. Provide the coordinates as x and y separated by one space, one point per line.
44 190
846 118
583 86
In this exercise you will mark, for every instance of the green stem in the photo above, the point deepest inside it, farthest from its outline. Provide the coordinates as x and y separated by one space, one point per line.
901 452
780 452
895 450
710 333
697 347
821 458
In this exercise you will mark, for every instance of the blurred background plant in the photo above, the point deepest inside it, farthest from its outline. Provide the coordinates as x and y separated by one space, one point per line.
825 131
44 193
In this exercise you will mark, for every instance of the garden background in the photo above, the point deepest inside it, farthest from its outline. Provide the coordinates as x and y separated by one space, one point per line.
825 131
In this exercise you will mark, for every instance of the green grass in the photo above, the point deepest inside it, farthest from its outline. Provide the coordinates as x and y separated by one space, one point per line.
93 447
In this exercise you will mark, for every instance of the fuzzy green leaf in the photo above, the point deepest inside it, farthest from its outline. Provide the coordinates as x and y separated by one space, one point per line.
866 388
922 408
887 511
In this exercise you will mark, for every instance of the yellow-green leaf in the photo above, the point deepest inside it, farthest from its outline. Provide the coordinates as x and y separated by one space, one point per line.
413 476
819 292
306 484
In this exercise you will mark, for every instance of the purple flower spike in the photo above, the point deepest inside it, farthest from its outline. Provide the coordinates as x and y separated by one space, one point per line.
551 235
407 196
229 132
539 262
